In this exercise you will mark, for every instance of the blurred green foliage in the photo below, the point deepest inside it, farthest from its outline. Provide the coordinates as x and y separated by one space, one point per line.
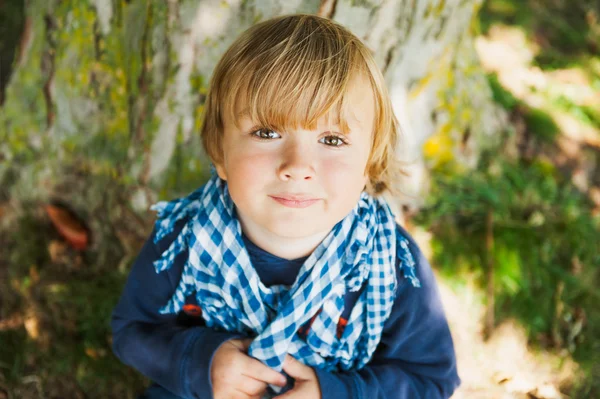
538 122
546 246
546 251
566 30
584 113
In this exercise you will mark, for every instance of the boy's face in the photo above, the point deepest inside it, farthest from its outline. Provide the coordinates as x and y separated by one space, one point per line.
298 184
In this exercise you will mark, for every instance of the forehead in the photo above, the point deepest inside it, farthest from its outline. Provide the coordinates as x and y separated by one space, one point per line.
353 110
360 107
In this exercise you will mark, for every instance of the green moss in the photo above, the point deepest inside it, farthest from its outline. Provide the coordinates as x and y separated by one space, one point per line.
186 172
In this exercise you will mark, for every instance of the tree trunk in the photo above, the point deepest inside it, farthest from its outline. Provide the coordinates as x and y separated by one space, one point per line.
110 93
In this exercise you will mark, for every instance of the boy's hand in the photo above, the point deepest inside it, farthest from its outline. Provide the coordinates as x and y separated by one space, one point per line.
306 385
235 375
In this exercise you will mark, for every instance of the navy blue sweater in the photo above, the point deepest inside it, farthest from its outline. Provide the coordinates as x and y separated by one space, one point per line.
414 359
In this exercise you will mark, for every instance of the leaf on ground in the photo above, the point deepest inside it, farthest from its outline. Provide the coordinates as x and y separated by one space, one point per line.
68 226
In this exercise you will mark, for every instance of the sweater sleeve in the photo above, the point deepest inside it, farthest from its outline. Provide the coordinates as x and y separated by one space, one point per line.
162 347
415 357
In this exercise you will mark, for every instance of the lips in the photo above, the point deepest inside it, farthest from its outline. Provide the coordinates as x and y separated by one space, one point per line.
294 201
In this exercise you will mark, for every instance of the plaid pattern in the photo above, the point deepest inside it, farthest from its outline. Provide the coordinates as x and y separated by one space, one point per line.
360 249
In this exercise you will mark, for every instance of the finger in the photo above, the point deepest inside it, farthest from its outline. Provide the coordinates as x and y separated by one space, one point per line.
241 344
242 395
246 343
255 369
250 386
296 369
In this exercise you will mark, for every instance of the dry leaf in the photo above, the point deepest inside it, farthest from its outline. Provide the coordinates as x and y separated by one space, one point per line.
32 325
95 353
69 227
57 251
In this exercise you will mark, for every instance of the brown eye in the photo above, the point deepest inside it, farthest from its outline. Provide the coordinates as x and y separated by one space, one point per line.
265 134
333 141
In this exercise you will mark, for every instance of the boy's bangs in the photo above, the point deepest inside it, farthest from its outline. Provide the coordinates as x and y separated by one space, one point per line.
288 105
294 88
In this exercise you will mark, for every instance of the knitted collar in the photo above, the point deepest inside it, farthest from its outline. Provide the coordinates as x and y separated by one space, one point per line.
360 249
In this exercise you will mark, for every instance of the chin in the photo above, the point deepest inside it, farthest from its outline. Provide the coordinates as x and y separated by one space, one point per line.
293 230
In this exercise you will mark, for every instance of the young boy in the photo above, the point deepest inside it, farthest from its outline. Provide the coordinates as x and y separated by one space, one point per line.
286 274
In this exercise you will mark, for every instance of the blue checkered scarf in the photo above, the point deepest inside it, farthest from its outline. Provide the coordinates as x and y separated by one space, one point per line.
360 249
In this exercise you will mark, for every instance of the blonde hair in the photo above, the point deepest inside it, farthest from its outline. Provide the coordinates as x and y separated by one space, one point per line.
292 70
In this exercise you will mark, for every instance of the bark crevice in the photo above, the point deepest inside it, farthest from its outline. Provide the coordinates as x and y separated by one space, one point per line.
48 67
327 8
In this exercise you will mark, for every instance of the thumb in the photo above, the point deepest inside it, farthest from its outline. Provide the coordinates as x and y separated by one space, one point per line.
246 343
242 344
296 369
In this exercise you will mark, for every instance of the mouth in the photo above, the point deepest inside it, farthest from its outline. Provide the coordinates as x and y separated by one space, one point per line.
292 201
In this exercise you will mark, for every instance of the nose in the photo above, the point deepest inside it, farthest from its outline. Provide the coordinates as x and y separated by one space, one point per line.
296 163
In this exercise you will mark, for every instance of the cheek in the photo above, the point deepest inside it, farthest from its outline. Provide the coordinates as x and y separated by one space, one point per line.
346 173
351 162
244 168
